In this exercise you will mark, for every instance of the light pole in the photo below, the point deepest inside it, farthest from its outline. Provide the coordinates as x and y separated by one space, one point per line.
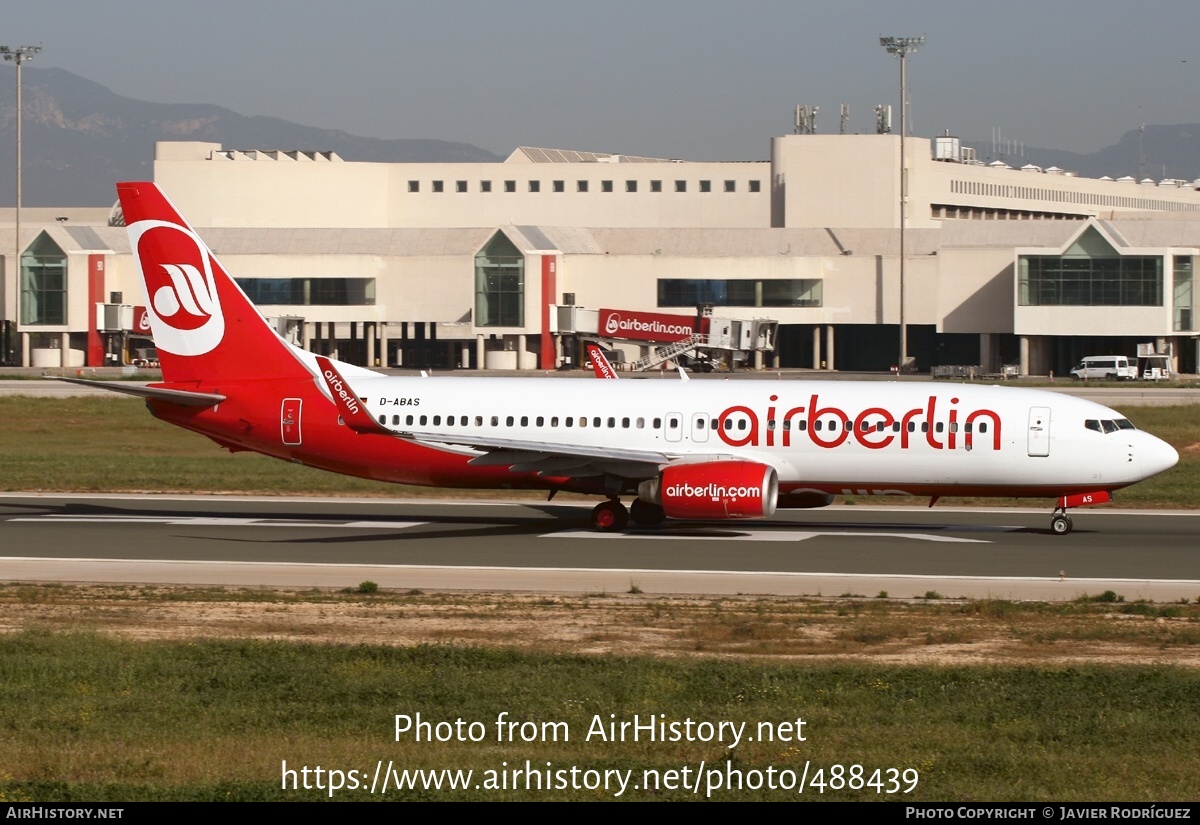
901 47
18 55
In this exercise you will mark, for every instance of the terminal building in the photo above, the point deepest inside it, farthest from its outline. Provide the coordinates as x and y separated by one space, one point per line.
509 265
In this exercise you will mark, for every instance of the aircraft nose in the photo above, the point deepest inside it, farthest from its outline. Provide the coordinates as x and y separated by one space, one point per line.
1158 456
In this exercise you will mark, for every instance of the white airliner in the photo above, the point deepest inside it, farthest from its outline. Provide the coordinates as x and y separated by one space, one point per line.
681 449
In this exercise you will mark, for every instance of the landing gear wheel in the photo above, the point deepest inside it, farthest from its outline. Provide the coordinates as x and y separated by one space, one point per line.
610 516
645 514
1061 525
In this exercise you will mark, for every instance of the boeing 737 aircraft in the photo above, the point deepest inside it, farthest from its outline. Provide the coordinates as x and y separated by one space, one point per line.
680 449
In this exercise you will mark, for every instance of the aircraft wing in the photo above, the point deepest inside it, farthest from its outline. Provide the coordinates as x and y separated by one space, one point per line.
519 455
551 458
185 398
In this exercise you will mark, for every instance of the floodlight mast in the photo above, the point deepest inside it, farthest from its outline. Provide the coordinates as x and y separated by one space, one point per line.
901 47
18 55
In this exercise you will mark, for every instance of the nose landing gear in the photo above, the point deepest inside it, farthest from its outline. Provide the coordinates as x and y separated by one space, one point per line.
1060 523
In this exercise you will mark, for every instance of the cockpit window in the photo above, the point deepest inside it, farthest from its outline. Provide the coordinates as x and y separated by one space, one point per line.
1109 426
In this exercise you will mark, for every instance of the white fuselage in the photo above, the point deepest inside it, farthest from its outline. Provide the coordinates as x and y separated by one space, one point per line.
838 436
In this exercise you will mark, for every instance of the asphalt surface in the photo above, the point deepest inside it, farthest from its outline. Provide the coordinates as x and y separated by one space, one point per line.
906 551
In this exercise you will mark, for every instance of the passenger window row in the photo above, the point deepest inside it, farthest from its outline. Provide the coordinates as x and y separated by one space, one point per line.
731 424
611 422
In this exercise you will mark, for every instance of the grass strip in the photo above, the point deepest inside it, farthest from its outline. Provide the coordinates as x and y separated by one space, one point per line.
87 717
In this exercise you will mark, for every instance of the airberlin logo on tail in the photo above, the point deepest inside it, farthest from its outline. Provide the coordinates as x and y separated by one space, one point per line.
182 303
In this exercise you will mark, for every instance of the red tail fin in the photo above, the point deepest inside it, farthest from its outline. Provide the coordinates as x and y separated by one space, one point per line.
600 364
204 326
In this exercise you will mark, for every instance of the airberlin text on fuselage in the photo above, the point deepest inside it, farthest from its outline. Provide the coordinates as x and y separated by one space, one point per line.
837 425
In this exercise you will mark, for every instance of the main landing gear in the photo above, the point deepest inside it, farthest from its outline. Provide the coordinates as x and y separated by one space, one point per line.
612 516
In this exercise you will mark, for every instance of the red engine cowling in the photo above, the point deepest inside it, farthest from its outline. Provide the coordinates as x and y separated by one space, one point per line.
715 490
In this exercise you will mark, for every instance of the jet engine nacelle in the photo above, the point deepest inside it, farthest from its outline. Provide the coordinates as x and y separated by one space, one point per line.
715 490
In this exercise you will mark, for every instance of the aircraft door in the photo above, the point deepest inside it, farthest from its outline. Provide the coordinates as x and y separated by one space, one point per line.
699 427
1039 431
673 427
289 421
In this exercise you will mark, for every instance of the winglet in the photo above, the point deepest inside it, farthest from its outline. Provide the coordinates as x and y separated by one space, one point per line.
600 363
349 406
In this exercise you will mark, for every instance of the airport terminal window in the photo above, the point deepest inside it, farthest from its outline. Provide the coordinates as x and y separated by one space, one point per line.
1183 295
535 186
510 186
560 186
328 292
460 186
606 186
1062 280
706 186
485 186
681 186
755 186
437 186
740 292
581 186
44 283
656 186
500 284
414 186
730 186
631 186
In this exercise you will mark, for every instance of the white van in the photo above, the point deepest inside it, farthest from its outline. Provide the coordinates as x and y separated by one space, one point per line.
1105 366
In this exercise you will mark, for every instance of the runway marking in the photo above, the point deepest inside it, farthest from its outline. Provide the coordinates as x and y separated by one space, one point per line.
221 521
753 535
620 571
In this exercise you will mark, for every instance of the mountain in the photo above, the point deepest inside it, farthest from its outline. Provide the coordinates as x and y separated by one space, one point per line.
79 138
1169 151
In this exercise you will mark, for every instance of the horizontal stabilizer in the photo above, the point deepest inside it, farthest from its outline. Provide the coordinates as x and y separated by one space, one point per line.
184 398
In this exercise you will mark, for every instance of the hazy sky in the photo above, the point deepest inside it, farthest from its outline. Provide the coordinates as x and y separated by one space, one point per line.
701 80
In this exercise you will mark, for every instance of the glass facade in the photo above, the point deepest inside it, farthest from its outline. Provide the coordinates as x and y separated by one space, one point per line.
500 284
44 283
332 292
1183 296
1053 280
739 292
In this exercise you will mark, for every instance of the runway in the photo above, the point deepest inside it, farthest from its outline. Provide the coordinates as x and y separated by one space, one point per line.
905 551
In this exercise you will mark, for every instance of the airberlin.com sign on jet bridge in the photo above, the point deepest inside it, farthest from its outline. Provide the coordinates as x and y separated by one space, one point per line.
645 326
